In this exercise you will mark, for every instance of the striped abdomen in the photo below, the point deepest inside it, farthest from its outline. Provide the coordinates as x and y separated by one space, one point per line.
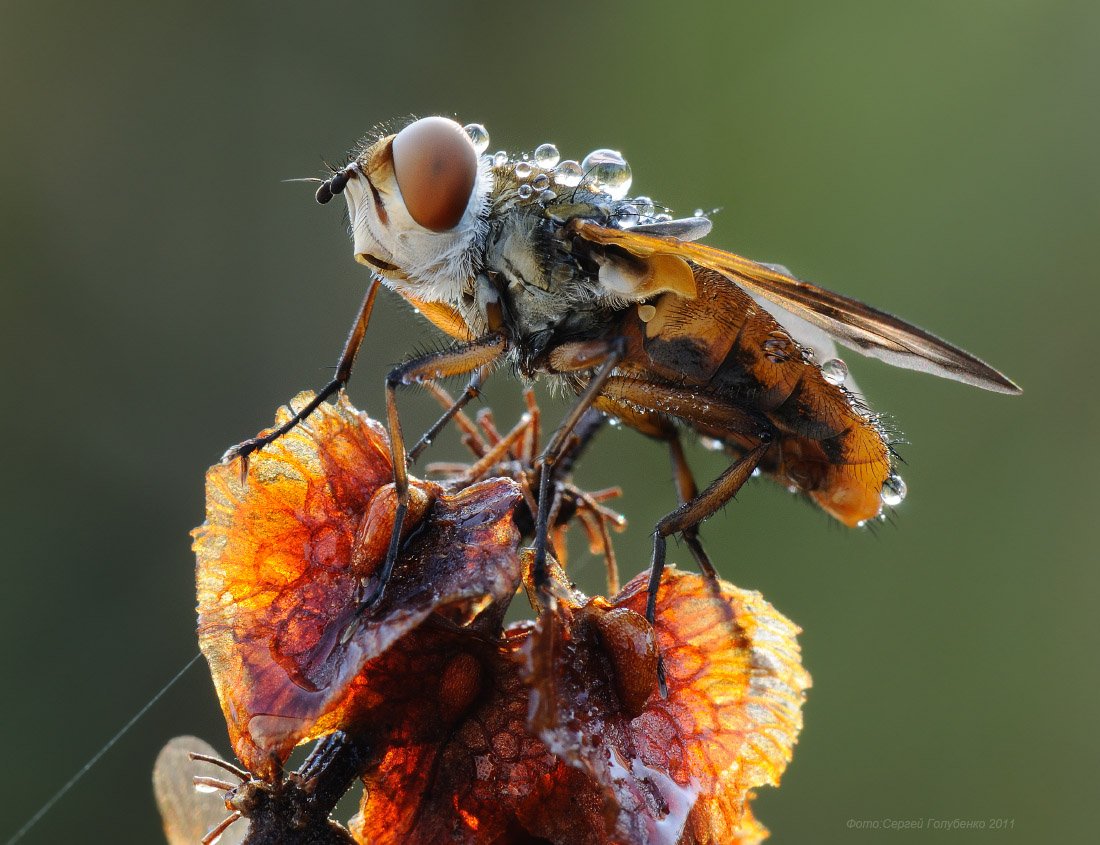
722 346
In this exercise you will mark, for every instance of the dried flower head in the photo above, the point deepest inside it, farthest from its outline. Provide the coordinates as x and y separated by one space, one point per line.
460 730
569 740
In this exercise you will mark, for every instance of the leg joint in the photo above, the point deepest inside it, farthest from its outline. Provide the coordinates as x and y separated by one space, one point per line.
398 377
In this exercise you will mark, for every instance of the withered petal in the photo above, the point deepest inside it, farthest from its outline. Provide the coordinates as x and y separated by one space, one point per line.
483 779
281 563
560 745
678 770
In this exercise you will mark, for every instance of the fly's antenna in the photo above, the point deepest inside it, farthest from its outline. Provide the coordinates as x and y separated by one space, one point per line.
336 183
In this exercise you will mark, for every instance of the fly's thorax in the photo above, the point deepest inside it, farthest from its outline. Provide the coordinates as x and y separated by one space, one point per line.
547 293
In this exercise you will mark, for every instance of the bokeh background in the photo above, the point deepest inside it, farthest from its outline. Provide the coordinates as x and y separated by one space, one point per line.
164 290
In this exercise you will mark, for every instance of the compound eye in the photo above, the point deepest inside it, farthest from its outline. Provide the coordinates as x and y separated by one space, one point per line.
435 164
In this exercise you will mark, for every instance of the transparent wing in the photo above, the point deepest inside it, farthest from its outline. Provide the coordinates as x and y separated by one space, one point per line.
853 324
189 814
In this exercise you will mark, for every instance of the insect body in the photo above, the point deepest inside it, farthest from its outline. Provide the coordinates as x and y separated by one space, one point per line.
550 266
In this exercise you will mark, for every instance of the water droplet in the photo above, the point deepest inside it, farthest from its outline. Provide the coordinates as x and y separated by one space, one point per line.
608 171
698 213
626 217
644 205
546 155
524 170
479 135
568 173
525 192
712 444
835 371
500 158
777 347
547 197
893 491
540 182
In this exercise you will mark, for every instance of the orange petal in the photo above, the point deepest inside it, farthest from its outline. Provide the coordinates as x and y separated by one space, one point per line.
678 769
482 779
567 740
280 562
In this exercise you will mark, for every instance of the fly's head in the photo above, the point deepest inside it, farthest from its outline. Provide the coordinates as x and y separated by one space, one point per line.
418 204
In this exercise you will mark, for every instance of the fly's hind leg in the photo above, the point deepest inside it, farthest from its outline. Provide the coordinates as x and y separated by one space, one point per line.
686 490
686 517
339 381
638 397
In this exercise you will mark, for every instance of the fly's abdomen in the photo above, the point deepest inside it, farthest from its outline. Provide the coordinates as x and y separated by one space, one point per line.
725 345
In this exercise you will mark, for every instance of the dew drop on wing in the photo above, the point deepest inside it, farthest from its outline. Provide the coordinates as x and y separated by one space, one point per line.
626 217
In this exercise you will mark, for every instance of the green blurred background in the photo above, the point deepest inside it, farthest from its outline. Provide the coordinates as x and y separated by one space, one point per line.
164 290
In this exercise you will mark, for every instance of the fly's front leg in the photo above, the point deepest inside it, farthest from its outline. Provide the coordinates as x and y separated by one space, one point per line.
570 357
339 381
477 355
